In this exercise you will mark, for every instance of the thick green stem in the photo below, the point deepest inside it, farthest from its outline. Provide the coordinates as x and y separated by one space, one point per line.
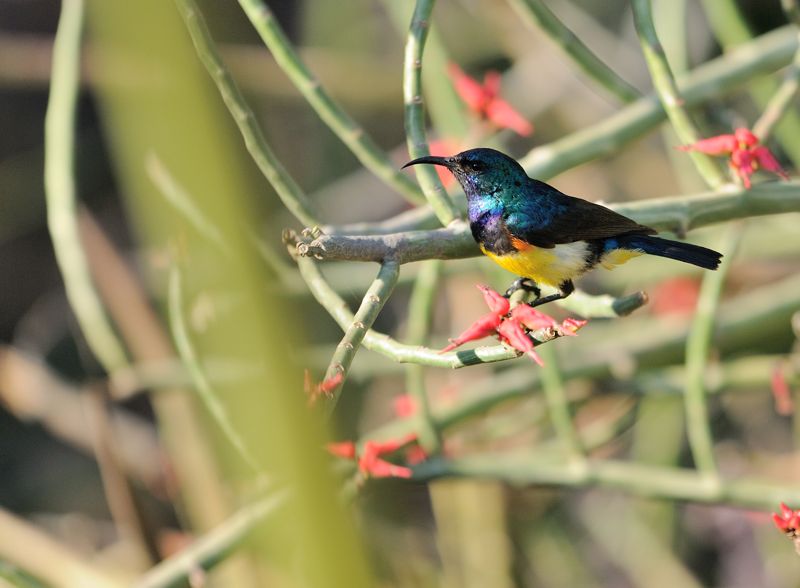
287 189
348 131
668 92
536 12
374 300
60 191
416 140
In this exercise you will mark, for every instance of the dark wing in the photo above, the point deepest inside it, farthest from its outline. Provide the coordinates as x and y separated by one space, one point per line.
546 217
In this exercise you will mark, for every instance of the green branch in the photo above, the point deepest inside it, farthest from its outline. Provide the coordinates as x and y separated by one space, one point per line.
644 480
675 213
60 191
287 189
413 101
374 299
536 12
348 131
668 92
767 53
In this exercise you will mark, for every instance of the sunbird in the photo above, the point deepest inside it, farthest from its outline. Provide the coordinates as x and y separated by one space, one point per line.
544 236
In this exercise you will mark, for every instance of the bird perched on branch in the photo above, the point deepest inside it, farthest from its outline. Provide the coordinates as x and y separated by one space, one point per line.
546 237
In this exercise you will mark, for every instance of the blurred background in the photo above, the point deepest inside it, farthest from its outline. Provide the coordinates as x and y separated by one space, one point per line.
126 469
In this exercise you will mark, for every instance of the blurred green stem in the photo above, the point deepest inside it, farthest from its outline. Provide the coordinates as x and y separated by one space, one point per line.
413 100
698 347
202 385
558 405
536 13
645 480
213 547
668 92
371 305
60 191
287 189
350 133
420 310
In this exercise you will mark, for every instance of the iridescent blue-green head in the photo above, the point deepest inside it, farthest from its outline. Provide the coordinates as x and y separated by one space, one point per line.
483 173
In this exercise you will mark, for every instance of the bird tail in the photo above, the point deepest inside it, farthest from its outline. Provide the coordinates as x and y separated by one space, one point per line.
685 252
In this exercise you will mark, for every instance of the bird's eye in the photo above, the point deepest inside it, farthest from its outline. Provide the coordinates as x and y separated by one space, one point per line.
476 166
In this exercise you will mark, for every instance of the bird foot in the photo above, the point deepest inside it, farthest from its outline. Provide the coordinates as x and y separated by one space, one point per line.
523 284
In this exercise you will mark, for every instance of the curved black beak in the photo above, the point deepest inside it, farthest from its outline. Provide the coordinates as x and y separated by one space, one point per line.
432 159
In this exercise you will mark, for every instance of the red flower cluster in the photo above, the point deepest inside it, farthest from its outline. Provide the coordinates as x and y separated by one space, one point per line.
512 325
484 100
745 152
788 521
371 463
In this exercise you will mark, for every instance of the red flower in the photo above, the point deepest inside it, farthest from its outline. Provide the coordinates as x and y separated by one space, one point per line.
484 100
343 449
324 388
788 521
371 463
404 405
511 332
745 152
511 326
781 393
676 296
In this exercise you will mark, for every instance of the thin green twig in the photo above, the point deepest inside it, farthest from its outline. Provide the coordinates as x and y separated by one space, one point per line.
374 300
348 131
536 12
698 345
420 310
416 139
287 189
60 191
668 92
213 547
202 385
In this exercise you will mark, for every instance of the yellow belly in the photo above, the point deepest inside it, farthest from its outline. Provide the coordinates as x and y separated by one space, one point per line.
552 267
555 266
